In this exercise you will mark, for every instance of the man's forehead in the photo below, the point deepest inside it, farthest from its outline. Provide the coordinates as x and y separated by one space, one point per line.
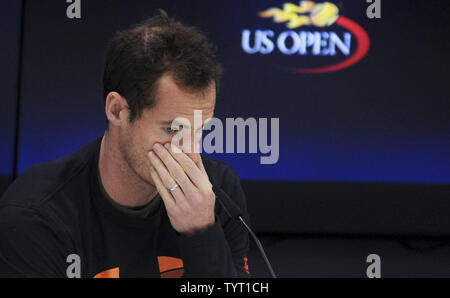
173 102
169 92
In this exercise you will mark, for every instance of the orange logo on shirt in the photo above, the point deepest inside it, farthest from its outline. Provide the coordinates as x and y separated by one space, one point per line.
170 267
110 273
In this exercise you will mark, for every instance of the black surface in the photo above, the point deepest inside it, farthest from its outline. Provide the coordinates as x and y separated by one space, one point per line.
338 257
348 208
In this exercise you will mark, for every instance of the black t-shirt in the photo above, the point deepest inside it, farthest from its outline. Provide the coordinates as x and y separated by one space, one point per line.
142 211
56 210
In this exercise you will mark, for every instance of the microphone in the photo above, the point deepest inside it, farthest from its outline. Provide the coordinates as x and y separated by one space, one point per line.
233 211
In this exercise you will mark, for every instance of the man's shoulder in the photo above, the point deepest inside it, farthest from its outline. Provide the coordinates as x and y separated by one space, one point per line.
222 175
218 171
224 178
43 181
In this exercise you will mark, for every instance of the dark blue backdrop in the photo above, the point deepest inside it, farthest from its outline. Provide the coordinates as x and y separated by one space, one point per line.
384 119
10 21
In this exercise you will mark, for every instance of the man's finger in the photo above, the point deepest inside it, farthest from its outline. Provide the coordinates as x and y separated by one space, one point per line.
166 179
197 176
167 197
175 169
200 163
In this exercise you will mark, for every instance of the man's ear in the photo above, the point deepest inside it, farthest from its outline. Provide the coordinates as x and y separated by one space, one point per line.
116 109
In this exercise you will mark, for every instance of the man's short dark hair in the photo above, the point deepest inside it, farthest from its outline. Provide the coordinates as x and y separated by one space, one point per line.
139 56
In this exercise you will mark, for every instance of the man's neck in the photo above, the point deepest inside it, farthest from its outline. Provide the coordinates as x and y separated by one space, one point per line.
119 181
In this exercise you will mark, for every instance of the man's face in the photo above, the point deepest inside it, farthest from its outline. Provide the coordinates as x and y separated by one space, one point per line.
154 126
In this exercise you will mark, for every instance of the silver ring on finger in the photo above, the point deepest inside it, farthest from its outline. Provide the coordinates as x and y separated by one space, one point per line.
173 187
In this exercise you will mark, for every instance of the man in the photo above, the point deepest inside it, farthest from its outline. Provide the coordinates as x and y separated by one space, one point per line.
129 204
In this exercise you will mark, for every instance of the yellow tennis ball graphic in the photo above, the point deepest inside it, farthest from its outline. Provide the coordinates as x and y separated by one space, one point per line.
324 14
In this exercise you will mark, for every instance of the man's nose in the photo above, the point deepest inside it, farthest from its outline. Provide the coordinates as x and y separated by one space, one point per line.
194 149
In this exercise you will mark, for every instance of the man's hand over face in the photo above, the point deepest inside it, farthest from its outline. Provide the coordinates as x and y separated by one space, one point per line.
190 206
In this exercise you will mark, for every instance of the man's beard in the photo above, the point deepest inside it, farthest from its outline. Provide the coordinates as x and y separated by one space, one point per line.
135 164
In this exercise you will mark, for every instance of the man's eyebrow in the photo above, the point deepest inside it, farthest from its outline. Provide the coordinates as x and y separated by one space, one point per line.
175 122
169 122
166 122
